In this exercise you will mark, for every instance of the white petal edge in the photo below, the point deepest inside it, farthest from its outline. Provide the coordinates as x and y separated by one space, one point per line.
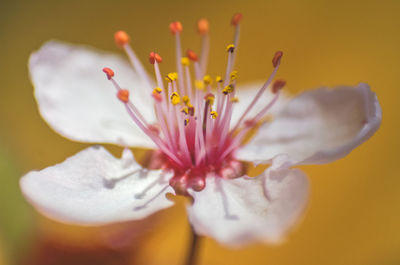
317 127
95 188
76 99
246 210
246 93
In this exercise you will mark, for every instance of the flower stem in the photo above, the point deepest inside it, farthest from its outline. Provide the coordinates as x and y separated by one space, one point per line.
193 248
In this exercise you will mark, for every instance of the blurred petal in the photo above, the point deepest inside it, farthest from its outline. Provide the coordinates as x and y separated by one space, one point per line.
318 126
244 210
246 93
77 100
93 188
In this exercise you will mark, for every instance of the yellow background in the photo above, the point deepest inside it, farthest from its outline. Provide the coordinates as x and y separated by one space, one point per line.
354 211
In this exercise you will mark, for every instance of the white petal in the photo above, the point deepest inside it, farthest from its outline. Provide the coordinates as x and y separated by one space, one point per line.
77 100
93 188
239 211
246 93
318 126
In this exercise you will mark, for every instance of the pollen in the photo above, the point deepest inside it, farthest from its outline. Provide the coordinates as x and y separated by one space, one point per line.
230 48
228 89
202 26
108 72
199 84
175 27
277 58
233 75
186 100
172 77
185 61
121 38
185 110
155 57
175 98
157 90
207 80
219 79
123 95
214 114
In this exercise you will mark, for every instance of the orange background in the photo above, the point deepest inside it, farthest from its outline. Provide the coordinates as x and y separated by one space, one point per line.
354 211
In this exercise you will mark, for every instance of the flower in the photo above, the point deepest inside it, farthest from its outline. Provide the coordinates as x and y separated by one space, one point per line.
201 134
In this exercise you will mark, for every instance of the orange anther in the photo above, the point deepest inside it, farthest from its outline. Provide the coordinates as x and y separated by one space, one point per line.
236 19
121 38
202 26
277 58
153 57
157 96
278 85
108 72
123 95
192 55
175 27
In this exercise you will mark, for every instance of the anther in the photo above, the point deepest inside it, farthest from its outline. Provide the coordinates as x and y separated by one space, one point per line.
192 55
219 79
277 58
234 75
230 48
123 95
214 114
121 38
228 89
108 72
278 85
175 98
157 90
199 84
185 61
236 19
202 26
186 122
185 110
207 80
175 27
172 77
186 100
210 98
155 57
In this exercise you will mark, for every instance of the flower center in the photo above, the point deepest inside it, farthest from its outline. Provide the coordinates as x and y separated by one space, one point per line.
193 129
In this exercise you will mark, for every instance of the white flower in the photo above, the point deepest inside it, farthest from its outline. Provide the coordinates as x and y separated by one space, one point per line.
200 154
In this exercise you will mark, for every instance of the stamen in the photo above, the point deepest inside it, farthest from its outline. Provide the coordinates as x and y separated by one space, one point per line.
175 27
123 95
236 19
278 85
121 38
155 57
228 89
214 114
230 48
108 72
202 26
192 55
277 58
175 98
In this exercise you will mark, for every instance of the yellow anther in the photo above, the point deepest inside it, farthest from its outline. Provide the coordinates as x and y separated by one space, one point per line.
186 122
228 89
199 84
230 48
157 90
172 77
175 98
185 110
234 75
207 80
186 100
214 114
185 61
235 99
218 79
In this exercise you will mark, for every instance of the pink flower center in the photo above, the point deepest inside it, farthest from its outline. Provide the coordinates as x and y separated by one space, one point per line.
193 132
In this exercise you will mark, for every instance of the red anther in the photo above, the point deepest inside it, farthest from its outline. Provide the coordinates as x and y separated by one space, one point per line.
155 57
278 85
175 27
202 26
236 19
121 38
192 55
123 95
277 58
157 97
108 72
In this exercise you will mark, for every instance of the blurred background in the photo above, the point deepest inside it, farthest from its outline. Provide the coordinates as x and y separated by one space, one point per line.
354 212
